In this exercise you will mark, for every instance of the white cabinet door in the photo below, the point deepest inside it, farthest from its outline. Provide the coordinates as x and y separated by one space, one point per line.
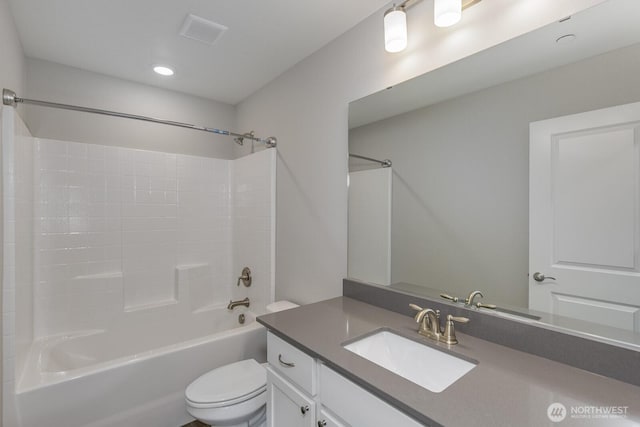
585 216
326 419
286 405
357 406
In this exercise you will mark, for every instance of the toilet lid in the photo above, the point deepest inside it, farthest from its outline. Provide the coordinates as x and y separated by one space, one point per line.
228 383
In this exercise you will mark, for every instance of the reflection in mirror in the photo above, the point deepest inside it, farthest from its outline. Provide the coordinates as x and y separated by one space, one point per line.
459 139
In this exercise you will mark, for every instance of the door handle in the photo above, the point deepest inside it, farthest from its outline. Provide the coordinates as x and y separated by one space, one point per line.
539 277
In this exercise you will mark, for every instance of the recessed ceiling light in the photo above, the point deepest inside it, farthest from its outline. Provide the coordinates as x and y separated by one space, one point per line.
163 71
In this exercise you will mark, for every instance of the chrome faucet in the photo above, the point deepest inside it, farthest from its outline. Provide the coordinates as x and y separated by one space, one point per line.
429 321
469 301
234 304
471 297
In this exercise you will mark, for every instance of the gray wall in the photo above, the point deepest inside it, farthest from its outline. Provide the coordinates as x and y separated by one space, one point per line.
307 109
11 77
461 174
12 64
58 83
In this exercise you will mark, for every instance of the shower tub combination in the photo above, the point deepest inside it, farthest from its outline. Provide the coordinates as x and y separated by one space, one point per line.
118 316
101 378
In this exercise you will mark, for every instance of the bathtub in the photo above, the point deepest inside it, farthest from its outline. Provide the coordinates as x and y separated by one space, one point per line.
130 376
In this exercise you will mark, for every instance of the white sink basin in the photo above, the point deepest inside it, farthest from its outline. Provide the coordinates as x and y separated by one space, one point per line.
432 369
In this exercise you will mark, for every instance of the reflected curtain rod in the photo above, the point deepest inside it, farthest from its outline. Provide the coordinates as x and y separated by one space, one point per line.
10 98
386 163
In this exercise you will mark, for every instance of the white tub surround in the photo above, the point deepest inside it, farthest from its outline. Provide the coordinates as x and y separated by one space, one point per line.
129 262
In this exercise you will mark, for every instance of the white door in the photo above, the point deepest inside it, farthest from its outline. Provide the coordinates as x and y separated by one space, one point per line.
584 223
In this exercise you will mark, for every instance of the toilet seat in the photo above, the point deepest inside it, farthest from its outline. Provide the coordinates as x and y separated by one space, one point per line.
224 403
228 385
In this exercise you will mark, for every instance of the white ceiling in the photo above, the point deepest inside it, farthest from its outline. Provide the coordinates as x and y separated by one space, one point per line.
125 38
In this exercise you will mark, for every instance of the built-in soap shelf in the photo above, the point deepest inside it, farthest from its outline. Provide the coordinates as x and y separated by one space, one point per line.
150 306
105 275
215 306
193 286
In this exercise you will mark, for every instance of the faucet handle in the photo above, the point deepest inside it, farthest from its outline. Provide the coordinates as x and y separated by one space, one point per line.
449 335
483 305
246 278
421 312
449 297
458 319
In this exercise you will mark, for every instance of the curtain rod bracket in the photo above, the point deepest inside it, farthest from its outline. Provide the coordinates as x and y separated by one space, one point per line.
9 97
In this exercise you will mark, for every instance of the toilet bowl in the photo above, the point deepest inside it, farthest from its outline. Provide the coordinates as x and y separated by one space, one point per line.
234 395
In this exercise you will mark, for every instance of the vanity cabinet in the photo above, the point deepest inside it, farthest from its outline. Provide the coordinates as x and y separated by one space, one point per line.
287 406
302 391
291 385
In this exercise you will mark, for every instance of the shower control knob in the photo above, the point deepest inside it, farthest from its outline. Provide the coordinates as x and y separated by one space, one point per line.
245 278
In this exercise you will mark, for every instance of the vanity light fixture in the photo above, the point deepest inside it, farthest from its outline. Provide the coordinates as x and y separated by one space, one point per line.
445 14
395 29
163 71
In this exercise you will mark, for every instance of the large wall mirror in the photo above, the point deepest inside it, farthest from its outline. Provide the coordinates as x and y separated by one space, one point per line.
547 117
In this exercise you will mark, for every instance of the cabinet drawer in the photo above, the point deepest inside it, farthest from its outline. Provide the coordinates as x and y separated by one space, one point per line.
357 406
292 363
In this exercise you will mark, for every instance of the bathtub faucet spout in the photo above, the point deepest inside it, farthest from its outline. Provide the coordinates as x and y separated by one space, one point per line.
234 304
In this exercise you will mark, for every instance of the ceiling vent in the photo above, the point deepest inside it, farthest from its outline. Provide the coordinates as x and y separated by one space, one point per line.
202 30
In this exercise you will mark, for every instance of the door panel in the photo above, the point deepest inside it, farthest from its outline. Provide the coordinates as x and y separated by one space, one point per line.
584 216
610 314
593 196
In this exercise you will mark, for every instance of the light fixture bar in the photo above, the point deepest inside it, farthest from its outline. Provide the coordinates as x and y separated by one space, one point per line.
469 3
446 14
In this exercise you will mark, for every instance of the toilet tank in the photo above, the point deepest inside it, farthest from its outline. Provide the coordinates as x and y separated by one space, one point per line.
280 306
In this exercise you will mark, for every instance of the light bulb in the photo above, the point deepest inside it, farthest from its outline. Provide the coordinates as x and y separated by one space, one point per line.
163 71
447 12
395 29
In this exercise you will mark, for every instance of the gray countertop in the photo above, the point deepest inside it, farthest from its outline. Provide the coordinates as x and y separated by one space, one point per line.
506 388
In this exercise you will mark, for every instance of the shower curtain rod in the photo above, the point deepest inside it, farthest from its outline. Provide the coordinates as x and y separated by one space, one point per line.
386 163
9 97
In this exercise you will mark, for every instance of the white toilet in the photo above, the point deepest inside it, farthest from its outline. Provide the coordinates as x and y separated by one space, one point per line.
233 395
